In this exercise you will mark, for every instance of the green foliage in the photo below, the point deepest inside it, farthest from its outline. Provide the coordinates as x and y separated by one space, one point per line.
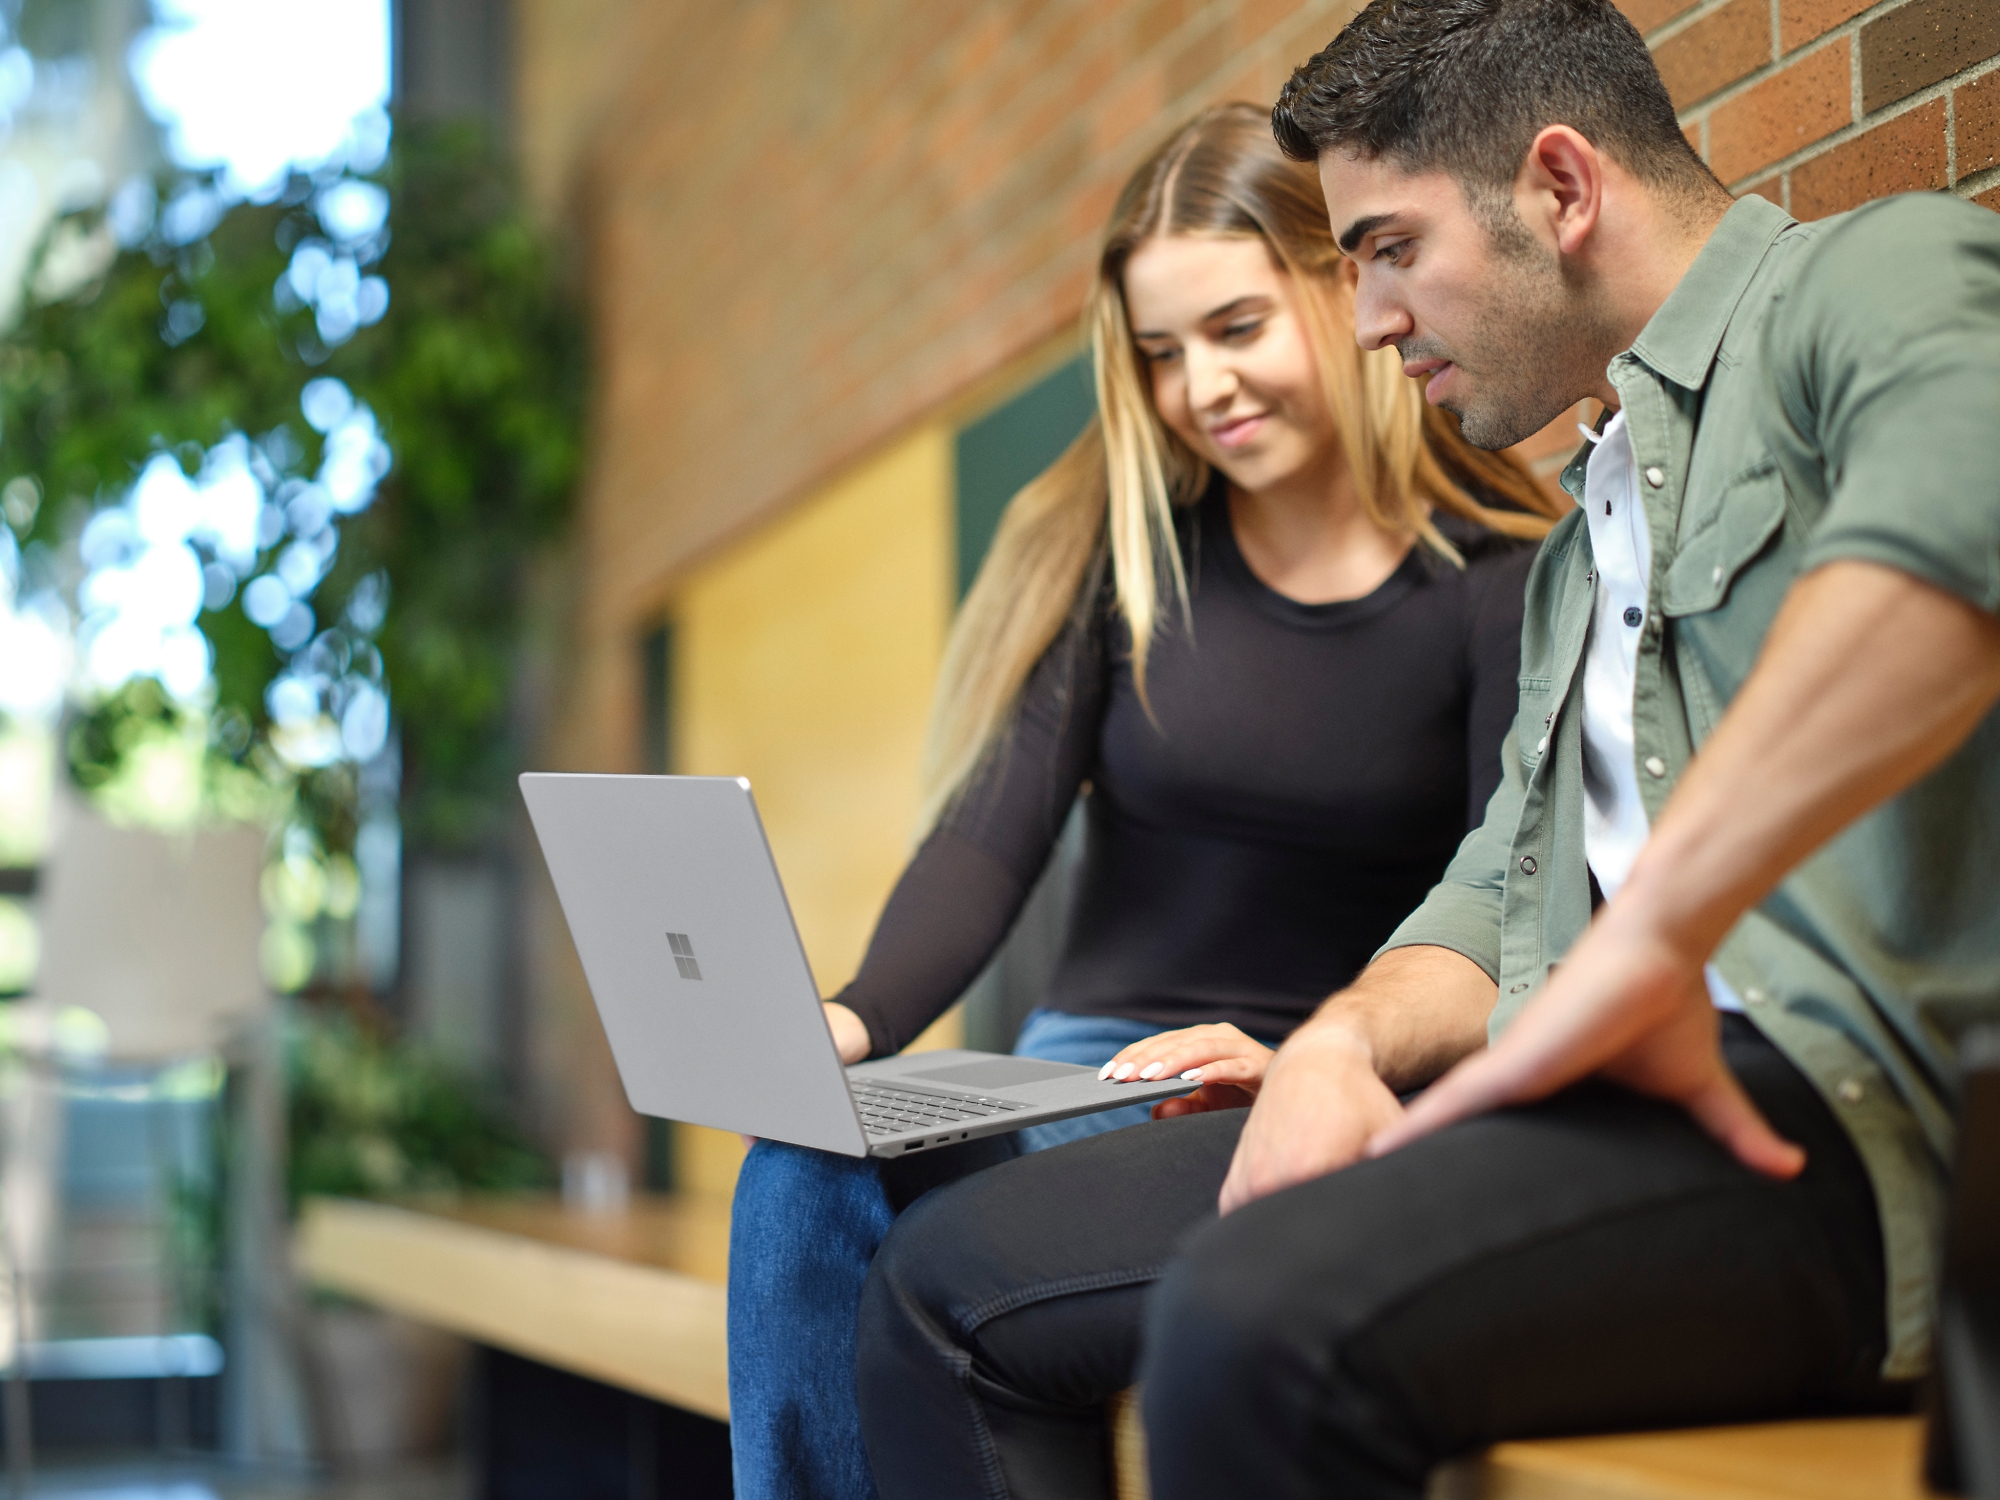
476 375
370 1117
149 760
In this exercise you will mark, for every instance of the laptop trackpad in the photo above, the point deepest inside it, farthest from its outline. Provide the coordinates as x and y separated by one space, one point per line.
998 1072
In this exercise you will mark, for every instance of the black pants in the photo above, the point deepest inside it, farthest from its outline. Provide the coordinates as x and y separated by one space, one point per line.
1593 1262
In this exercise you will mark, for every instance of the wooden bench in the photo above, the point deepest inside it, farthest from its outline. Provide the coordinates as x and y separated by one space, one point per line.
1857 1458
635 1298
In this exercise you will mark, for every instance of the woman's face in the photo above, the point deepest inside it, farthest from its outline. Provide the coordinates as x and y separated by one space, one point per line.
1220 330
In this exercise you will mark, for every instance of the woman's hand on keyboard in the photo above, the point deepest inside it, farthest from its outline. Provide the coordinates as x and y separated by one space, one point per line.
850 1036
1227 1063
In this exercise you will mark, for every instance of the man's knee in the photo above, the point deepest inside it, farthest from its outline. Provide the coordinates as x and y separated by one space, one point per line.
1247 1343
1223 1328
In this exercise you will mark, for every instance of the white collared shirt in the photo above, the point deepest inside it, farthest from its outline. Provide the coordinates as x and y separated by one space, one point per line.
1615 826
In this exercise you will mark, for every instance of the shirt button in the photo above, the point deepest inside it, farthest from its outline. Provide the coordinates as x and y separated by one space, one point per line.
1516 989
1528 865
1754 996
1851 1090
1655 475
1655 766
1716 576
1541 744
1634 615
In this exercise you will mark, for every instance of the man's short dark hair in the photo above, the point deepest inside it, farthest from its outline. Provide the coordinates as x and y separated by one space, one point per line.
1463 86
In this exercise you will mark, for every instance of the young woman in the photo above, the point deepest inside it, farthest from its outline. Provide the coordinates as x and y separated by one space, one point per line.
1264 615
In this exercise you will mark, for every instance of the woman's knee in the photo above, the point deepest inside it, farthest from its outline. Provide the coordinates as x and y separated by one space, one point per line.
800 1215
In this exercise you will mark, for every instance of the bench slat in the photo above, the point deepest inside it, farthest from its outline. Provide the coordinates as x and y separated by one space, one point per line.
1850 1458
598 1309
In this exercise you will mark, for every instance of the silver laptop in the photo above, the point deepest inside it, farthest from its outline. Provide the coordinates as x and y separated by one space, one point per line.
694 961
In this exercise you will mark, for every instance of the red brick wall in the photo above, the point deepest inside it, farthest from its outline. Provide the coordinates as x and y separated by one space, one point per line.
1824 104
808 224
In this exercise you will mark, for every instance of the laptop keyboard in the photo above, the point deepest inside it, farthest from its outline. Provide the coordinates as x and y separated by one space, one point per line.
891 1111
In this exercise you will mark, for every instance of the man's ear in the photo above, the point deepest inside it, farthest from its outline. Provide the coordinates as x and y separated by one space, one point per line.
1560 190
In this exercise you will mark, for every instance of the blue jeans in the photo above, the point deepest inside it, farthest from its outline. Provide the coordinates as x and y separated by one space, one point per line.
804 1231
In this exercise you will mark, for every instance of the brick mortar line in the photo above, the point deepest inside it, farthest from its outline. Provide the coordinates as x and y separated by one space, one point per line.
1687 20
1709 103
1855 110
1851 27
1977 183
1929 94
1950 138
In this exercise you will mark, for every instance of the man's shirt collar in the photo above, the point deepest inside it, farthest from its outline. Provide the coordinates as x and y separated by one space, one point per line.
1680 340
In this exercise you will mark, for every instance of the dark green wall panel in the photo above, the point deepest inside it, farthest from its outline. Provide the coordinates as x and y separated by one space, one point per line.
1007 447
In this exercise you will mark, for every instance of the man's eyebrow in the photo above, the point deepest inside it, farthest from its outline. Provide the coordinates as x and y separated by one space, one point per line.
1359 230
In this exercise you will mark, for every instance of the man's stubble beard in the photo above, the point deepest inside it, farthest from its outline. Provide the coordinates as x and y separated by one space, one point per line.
1532 351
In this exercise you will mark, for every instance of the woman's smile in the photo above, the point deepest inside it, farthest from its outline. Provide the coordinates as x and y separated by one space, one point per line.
1234 432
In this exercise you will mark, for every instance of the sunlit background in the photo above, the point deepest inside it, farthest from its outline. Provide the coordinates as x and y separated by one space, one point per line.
203 783
123 598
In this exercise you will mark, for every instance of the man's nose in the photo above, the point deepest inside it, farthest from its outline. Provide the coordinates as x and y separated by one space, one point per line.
1379 320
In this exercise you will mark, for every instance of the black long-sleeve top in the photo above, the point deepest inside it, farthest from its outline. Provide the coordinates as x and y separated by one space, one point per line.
1306 775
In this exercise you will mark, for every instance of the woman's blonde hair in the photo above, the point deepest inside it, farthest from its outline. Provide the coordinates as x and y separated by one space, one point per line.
1116 488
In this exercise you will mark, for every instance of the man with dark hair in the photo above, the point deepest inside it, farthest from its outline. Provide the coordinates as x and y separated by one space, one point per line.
1462 87
1694 1176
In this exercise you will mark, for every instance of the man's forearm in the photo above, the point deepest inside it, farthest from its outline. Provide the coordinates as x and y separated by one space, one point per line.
1868 680
1416 1010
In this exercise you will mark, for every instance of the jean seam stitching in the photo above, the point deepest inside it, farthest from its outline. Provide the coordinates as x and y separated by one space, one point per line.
981 1313
989 1451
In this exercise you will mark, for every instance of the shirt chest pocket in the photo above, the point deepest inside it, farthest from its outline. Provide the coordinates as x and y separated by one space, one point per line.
1722 539
1720 594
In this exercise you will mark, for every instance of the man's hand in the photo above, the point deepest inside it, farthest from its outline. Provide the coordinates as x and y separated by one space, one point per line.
1321 1102
1868 679
1333 1085
1660 1038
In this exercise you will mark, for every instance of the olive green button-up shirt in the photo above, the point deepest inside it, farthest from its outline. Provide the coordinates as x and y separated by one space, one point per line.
1808 393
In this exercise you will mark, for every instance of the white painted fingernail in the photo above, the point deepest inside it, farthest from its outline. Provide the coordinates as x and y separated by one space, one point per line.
1105 1071
1153 1070
1125 1071
1192 1075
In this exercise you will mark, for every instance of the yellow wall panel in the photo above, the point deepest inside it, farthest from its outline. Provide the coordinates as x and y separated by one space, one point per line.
804 659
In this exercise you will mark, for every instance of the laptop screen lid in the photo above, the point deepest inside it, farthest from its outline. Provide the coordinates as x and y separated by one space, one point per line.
691 954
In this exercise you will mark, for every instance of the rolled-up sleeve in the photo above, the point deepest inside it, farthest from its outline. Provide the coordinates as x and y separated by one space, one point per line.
1888 358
